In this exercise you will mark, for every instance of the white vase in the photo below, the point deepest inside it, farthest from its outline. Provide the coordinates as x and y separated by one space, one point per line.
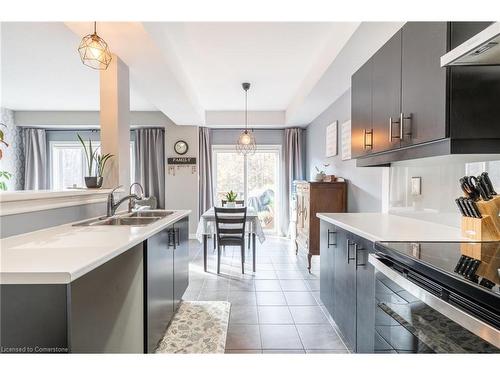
231 204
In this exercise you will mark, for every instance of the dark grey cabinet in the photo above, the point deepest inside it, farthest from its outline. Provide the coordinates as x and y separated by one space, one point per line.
365 295
386 95
328 245
416 102
181 259
347 287
361 112
158 287
423 82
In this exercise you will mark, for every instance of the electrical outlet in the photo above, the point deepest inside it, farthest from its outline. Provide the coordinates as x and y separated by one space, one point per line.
415 249
416 186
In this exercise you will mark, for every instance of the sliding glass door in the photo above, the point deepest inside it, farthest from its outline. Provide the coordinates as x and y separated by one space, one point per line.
254 177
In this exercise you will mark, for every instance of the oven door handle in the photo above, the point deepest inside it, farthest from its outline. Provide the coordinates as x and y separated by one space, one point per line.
469 322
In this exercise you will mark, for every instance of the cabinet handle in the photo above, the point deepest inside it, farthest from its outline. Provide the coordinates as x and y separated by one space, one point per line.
402 119
349 244
358 248
391 135
328 244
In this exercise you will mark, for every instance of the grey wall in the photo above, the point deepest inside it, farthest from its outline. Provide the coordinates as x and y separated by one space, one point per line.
181 184
365 185
262 136
10 225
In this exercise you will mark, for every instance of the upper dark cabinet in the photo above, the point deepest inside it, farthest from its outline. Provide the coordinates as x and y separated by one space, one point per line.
361 111
386 95
423 82
414 101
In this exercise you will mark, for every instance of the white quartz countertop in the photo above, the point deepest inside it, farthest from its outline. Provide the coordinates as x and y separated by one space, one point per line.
61 254
387 227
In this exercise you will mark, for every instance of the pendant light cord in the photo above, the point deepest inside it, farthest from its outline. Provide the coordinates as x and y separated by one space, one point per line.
246 110
95 27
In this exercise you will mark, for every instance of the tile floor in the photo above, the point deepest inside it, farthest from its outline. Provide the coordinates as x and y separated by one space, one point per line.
275 310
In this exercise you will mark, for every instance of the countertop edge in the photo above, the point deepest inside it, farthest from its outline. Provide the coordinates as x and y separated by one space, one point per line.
72 275
348 227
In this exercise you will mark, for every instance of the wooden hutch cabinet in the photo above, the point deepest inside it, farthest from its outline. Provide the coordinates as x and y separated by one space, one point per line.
311 198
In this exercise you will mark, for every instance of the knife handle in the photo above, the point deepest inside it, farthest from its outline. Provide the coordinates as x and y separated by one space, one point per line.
465 206
475 209
460 208
486 178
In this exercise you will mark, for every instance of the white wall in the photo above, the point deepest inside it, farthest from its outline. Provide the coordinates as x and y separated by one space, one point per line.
85 118
365 186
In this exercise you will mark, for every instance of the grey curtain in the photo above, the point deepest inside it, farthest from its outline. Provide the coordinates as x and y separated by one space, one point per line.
293 170
150 162
35 159
205 182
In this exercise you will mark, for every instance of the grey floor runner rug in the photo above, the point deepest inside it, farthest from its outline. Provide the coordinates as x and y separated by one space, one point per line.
198 327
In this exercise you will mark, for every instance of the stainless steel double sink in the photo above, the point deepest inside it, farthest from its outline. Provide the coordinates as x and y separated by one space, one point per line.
138 219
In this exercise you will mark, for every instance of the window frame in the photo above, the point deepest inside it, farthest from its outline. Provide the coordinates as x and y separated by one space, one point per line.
277 148
53 145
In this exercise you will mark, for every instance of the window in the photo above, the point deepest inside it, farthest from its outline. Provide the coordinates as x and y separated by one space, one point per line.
254 177
68 165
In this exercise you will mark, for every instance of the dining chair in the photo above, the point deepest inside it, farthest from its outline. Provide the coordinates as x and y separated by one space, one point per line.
230 231
238 203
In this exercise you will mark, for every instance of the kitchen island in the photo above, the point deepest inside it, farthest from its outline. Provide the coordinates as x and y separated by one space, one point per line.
99 288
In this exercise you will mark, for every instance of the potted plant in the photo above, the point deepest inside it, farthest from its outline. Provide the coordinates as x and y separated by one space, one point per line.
95 163
231 198
320 175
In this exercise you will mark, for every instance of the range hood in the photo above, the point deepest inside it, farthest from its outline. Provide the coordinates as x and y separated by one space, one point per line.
482 49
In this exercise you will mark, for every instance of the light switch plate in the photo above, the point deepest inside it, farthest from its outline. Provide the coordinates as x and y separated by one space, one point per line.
416 186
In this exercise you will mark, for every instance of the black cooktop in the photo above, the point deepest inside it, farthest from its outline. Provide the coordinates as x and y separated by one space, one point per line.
476 264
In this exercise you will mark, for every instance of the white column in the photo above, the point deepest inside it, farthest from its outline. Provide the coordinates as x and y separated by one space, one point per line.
115 122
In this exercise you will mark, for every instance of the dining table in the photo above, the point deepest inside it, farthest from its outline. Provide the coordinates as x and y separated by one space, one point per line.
206 228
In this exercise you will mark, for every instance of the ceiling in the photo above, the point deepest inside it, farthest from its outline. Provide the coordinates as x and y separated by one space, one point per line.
190 71
274 57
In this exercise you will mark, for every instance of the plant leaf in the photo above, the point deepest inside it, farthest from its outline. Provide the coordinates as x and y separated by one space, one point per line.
87 156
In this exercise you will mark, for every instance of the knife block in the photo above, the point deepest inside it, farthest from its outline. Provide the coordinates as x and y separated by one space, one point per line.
484 229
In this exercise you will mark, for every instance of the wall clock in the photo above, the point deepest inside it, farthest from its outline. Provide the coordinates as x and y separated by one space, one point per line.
181 147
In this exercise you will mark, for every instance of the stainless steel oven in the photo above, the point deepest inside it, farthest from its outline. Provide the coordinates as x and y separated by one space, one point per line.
422 308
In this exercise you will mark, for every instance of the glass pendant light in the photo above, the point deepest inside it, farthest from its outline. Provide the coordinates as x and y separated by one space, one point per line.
246 141
94 51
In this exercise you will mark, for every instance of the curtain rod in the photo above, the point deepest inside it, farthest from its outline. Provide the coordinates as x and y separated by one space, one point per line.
252 129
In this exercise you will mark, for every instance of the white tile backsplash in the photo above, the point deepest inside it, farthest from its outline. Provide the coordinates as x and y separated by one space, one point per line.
439 185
